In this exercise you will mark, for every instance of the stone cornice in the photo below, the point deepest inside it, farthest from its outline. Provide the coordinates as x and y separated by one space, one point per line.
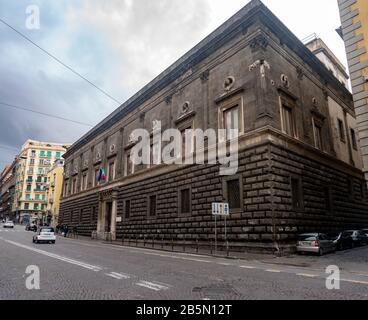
231 28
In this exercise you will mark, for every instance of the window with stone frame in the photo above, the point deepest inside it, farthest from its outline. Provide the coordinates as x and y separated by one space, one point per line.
66 186
127 208
233 192
353 139
296 193
328 199
288 122
84 183
129 165
317 132
152 206
95 181
341 128
185 201
111 171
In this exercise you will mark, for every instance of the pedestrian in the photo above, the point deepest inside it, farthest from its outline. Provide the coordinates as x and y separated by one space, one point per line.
66 230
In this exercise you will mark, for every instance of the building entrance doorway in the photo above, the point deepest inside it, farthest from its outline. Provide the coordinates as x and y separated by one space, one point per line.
107 212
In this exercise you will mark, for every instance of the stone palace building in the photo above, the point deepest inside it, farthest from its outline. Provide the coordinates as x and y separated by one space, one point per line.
299 170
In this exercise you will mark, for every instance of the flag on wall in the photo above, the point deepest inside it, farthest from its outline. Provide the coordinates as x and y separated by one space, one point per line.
101 175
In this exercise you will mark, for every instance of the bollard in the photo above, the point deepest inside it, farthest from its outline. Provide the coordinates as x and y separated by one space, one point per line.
227 248
136 241
172 243
144 241
197 244
122 239
211 247
184 244
153 242
162 242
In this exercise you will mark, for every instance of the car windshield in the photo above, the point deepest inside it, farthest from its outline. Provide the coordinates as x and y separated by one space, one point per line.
333 235
307 237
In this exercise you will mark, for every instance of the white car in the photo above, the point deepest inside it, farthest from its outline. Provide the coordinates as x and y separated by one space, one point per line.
45 234
9 224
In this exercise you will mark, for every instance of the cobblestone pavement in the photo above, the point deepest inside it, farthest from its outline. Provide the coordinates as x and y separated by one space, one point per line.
81 269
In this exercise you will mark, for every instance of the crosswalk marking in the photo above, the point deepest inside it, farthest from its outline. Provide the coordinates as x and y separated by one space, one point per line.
307 275
118 276
273 271
152 285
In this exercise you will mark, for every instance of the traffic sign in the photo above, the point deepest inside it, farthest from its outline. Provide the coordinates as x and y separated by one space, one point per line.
220 209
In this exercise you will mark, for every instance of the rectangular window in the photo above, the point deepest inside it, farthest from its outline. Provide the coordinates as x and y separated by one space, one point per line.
30 179
49 154
28 197
43 207
36 206
328 199
42 153
231 122
26 206
41 162
341 130
127 209
288 124
233 194
75 185
66 188
29 187
296 194
152 206
317 136
58 155
111 173
43 197
32 162
185 201
37 197
33 153
129 164
30 171
353 139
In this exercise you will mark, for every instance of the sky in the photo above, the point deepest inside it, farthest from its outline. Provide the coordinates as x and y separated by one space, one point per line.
119 45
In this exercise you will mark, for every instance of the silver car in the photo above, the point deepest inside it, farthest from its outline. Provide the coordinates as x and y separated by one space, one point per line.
317 243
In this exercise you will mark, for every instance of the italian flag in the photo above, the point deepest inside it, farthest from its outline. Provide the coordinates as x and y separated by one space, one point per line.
101 175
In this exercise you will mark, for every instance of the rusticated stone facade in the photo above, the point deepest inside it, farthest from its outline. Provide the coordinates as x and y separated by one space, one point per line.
299 165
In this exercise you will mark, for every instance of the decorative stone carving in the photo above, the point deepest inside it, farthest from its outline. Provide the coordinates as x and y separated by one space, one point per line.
205 76
85 163
185 108
229 83
156 125
300 73
285 81
262 64
112 148
132 138
314 102
98 156
168 99
259 42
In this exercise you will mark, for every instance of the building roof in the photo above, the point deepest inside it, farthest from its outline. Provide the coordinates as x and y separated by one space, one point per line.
210 44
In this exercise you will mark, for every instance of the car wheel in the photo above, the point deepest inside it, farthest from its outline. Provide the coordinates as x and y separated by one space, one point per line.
320 253
53 242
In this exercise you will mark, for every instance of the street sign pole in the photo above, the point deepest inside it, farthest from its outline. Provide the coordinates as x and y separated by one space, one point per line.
215 234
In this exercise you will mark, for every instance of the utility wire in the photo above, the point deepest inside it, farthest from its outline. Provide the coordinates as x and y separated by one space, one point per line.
44 114
8 148
60 62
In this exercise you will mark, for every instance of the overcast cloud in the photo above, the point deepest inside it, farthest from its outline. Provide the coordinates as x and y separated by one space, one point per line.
120 45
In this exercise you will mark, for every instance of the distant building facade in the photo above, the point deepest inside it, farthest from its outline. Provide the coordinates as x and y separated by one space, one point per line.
354 31
35 160
327 57
53 190
299 163
7 190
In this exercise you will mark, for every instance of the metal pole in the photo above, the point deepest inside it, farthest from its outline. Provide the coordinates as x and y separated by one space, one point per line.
227 243
215 234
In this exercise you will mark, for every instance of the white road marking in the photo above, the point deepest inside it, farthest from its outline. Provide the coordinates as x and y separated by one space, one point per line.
273 271
224 264
152 286
55 256
247 267
354 281
307 275
120 275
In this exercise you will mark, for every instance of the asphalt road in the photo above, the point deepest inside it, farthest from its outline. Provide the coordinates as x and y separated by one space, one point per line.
81 269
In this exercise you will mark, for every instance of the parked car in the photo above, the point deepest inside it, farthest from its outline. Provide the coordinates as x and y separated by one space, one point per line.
317 243
358 236
31 227
9 224
365 231
342 240
45 234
